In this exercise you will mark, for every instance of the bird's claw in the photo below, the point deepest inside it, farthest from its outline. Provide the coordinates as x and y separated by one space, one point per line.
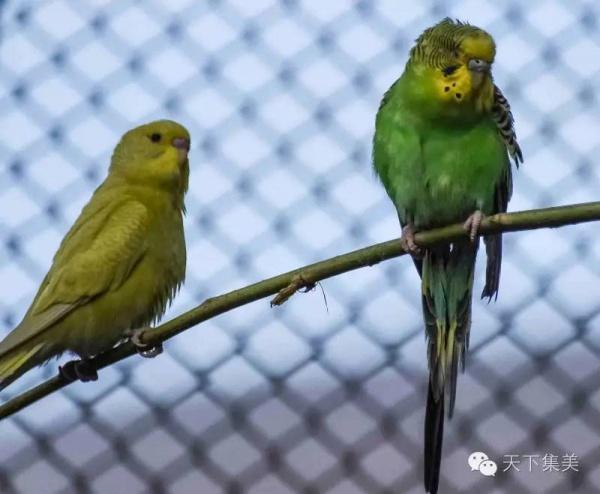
150 352
473 223
78 370
143 349
407 241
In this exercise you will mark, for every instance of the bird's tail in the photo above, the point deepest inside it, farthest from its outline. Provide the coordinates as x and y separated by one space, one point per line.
447 284
16 363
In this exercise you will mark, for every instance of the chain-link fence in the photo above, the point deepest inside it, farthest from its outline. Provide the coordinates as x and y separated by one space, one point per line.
280 97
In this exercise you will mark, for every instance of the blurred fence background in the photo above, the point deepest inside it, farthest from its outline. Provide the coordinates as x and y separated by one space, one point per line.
280 97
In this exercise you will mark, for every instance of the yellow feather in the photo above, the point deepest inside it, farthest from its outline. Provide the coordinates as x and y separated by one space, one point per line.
15 365
450 344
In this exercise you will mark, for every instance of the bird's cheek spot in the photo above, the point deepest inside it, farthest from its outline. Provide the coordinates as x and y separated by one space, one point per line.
458 95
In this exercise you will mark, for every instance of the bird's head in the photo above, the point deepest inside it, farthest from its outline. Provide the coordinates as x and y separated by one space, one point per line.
457 59
154 154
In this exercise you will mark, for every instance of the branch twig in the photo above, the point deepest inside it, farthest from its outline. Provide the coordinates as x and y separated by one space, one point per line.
285 285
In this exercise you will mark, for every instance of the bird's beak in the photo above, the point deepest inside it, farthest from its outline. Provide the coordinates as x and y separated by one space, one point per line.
477 65
181 143
183 146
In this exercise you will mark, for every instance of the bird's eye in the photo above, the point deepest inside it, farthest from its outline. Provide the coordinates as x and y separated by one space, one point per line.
449 70
155 137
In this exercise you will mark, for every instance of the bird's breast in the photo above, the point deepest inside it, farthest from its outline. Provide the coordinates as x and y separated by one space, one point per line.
461 170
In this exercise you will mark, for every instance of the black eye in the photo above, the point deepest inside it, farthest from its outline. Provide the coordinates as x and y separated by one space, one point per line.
449 70
155 137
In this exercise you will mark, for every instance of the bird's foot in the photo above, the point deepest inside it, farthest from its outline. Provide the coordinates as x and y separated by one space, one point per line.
143 349
473 223
78 370
408 241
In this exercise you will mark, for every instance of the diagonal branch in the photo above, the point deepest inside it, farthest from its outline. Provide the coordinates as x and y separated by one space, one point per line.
285 285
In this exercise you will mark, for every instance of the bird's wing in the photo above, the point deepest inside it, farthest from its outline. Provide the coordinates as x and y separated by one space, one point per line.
503 117
101 261
398 160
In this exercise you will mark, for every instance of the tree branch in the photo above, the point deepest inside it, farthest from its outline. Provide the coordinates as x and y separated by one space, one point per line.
285 285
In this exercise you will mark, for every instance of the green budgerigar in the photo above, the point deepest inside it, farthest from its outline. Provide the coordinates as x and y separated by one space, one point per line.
443 143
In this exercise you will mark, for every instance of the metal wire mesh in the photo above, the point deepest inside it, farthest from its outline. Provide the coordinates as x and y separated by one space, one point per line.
280 97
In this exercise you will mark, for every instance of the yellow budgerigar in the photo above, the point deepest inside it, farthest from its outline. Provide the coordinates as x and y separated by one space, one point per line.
119 265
